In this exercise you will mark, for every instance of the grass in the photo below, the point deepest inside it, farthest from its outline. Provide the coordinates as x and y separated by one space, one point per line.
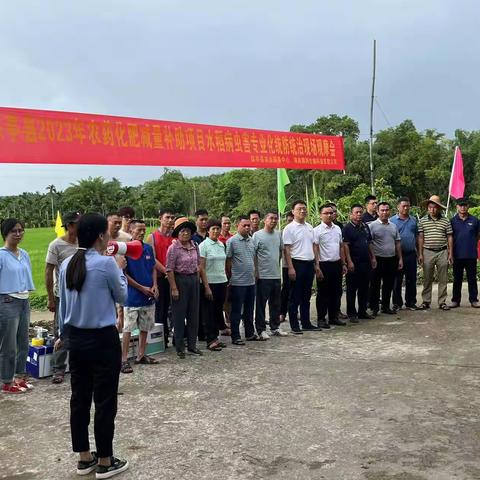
35 242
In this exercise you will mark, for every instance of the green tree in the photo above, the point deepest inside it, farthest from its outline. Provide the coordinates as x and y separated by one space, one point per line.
414 164
332 124
52 191
334 184
171 190
469 143
93 195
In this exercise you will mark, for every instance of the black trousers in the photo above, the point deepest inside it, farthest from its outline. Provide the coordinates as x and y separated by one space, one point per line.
243 304
358 284
329 290
162 304
409 271
470 267
383 276
186 308
300 294
285 295
95 361
339 301
211 311
268 289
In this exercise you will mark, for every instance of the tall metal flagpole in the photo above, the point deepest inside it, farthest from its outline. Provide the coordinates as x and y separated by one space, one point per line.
372 180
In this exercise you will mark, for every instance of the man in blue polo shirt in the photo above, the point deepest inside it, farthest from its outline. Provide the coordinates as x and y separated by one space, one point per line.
466 230
140 305
408 229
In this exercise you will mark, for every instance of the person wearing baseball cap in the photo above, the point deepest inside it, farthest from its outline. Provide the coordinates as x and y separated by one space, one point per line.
435 251
466 231
59 249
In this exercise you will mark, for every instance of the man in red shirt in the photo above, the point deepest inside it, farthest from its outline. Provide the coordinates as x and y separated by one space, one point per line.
225 231
160 240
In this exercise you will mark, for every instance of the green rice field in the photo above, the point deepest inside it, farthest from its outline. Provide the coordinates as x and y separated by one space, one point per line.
35 242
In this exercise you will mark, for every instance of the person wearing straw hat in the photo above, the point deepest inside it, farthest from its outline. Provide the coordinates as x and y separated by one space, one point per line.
183 261
435 242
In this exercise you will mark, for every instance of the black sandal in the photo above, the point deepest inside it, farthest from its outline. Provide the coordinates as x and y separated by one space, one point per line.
146 360
58 378
444 306
214 346
126 367
239 341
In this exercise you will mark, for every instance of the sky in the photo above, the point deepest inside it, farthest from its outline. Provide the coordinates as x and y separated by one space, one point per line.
247 63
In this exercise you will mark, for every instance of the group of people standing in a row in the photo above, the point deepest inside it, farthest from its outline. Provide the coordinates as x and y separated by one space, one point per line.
208 280
400 243
213 279
378 253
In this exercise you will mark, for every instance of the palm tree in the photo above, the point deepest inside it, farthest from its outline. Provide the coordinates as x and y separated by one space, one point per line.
52 190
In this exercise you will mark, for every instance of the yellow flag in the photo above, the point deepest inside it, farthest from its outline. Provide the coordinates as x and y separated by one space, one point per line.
59 230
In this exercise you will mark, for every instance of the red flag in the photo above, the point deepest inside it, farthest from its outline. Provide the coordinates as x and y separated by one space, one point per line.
457 182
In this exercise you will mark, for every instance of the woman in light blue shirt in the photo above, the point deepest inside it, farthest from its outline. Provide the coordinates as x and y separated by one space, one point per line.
89 285
15 284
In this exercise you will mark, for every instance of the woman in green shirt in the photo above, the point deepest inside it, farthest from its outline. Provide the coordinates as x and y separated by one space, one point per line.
214 285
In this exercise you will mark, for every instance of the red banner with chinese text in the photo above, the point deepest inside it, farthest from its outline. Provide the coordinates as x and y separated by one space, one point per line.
49 137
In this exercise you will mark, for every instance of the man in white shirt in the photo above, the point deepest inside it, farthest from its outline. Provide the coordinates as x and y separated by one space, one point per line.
299 254
330 257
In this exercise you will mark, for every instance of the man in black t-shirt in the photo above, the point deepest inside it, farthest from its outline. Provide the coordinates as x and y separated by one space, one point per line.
370 215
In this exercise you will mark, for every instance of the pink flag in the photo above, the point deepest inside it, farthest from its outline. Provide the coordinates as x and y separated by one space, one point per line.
457 182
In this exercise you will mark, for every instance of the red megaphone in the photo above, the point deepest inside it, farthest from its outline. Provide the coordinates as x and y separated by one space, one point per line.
133 249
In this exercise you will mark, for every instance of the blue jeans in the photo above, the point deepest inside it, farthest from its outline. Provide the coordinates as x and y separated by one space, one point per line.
14 322
242 298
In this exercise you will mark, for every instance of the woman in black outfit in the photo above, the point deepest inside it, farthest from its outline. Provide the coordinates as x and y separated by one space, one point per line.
90 284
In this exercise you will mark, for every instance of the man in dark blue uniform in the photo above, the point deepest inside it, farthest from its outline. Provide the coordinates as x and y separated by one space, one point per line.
360 261
466 230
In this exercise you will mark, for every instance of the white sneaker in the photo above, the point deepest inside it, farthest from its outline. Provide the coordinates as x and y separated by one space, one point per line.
264 336
278 333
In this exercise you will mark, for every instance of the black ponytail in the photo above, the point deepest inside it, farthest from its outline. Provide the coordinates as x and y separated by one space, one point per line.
90 226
